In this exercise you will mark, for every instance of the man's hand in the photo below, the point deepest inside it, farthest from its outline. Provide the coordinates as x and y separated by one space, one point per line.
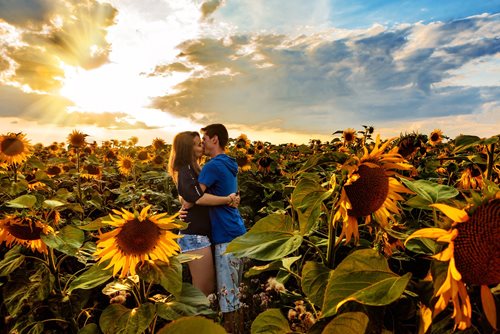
234 200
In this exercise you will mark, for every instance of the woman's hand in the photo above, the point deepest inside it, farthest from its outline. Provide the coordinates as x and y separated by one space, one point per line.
234 200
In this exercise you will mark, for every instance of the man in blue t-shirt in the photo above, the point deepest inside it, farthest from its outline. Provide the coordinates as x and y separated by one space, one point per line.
219 177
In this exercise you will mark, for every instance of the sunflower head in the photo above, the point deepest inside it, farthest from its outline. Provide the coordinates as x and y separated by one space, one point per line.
24 231
76 139
158 160
436 137
54 170
137 237
125 164
349 136
133 140
14 148
242 142
91 172
159 144
143 155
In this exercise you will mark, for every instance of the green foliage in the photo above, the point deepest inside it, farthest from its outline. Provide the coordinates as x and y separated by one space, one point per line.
347 323
192 325
270 322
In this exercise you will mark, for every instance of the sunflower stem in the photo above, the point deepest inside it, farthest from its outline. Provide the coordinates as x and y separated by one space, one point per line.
490 149
14 167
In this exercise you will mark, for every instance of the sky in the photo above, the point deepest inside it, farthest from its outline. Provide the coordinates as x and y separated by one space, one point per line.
278 71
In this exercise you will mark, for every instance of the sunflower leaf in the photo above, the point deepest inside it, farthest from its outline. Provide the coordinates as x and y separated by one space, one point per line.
11 261
364 276
270 322
314 279
67 240
93 277
22 202
190 302
348 323
192 325
116 318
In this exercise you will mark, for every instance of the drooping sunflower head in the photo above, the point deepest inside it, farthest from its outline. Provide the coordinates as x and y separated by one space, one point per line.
409 145
371 189
137 237
436 137
76 139
133 141
349 136
14 148
125 164
24 231
242 142
264 164
471 178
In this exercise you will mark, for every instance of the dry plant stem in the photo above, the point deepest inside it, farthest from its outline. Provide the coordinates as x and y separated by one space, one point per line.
490 149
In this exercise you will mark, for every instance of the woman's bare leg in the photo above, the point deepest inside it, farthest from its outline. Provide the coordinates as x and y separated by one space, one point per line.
203 271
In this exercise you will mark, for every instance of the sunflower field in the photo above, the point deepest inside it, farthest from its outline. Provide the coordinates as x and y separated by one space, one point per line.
361 234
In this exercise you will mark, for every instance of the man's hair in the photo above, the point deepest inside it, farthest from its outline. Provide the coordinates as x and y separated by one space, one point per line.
219 130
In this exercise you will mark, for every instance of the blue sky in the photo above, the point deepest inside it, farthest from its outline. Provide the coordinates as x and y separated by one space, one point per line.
276 70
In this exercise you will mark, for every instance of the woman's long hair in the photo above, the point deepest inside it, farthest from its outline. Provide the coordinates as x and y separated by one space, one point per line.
182 153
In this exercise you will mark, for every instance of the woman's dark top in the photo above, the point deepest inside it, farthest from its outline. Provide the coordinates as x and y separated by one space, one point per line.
189 188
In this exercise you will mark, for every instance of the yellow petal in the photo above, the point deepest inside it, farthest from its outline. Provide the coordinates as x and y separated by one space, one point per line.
431 233
444 255
489 306
144 213
425 319
454 214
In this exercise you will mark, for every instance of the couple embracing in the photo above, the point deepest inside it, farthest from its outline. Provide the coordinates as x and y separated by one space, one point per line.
209 197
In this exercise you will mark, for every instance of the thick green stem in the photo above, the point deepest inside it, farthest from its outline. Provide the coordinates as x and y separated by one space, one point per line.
490 149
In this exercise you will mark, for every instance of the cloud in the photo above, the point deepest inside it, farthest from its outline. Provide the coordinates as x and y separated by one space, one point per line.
316 84
45 109
61 31
208 7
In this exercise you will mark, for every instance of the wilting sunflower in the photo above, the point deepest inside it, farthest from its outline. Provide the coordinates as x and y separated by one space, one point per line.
471 178
24 231
474 259
349 136
125 164
137 238
436 137
265 164
76 139
14 148
370 189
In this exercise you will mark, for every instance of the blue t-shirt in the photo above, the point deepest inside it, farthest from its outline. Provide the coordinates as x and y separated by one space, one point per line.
219 175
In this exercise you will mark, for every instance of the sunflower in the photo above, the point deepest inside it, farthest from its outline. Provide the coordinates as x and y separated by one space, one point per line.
91 172
242 142
137 238
349 136
436 137
474 258
125 164
159 144
158 161
76 139
143 155
14 148
244 161
265 164
471 178
24 231
133 141
370 189
33 182
54 170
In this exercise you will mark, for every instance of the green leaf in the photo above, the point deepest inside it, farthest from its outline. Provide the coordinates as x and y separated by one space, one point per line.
50 203
347 323
94 225
191 302
168 275
67 240
270 322
418 202
364 276
89 329
11 261
271 238
423 246
307 198
465 141
37 329
314 279
275 265
93 277
192 325
116 318
430 191
22 202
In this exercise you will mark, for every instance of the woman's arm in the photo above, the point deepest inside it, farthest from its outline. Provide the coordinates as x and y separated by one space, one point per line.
212 200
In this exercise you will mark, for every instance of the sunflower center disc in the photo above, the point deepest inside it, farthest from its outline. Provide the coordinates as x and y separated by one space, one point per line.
138 238
477 252
368 193
25 232
12 146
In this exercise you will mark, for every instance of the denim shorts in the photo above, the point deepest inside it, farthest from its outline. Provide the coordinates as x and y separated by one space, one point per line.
229 270
191 242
